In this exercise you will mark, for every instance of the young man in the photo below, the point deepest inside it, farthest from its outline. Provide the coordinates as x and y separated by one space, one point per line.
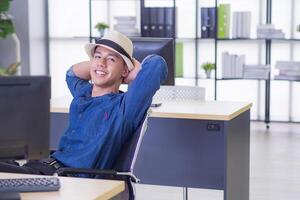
102 118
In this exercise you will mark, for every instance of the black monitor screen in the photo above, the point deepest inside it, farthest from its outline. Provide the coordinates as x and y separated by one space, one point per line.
143 46
24 117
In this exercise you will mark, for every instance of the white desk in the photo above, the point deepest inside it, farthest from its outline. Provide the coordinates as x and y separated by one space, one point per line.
211 110
74 188
200 144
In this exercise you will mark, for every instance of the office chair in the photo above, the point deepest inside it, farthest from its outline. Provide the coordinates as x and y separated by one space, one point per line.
123 167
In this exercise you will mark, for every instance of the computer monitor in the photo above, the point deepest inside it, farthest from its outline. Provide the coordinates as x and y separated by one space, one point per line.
24 117
143 46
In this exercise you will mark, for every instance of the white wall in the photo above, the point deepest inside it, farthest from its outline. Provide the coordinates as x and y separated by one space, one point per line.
29 17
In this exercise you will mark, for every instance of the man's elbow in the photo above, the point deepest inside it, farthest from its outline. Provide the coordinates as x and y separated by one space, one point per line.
161 67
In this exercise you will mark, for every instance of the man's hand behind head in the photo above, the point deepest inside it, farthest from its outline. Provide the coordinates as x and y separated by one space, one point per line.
133 73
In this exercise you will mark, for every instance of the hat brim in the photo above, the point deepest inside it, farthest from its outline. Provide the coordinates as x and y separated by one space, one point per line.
90 48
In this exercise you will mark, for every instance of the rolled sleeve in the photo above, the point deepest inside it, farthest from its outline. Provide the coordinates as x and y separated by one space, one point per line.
138 98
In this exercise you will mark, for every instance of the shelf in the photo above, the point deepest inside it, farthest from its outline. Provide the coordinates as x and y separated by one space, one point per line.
286 80
116 0
70 38
228 79
185 77
185 39
259 39
220 39
208 39
240 39
287 40
202 78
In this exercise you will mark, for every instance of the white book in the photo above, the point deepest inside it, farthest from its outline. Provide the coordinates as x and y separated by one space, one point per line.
288 65
247 24
225 65
240 66
232 65
289 72
234 24
256 67
240 25
292 78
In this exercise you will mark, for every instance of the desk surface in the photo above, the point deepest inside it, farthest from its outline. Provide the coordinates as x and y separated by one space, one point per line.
209 110
74 188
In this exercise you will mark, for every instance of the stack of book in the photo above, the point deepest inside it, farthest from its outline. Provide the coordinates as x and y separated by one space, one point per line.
241 23
288 70
268 31
232 65
208 22
157 22
126 25
223 20
256 71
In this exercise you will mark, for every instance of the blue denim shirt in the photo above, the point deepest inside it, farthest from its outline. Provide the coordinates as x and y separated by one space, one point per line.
100 126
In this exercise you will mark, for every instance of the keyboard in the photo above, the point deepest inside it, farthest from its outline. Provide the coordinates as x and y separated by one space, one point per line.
43 184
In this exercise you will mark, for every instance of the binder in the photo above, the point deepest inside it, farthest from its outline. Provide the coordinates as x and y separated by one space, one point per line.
169 25
223 20
160 31
153 22
212 22
204 23
145 18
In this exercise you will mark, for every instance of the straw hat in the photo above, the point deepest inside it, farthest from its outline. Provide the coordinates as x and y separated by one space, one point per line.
116 42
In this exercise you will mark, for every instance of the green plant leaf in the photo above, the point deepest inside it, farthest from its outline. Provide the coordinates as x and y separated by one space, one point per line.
208 66
101 25
6 27
3 71
4 5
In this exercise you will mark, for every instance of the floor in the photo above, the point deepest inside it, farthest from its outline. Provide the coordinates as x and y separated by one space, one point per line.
274 168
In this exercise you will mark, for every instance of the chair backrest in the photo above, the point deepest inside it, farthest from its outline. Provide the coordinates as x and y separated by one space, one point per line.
126 160
166 93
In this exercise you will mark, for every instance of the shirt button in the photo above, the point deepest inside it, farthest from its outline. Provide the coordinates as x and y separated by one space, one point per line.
80 115
73 131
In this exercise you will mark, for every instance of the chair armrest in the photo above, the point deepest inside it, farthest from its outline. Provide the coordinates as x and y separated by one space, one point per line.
108 174
68 170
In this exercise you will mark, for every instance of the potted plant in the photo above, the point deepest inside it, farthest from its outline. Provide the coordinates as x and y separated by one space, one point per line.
208 67
101 27
7 29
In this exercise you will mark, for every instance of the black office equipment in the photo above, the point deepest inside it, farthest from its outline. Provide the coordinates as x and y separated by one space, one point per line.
24 117
157 22
142 47
208 25
212 22
145 19
169 22
204 23
43 184
160 22
153 22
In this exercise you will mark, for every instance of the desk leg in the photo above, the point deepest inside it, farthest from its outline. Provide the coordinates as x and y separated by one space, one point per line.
237 134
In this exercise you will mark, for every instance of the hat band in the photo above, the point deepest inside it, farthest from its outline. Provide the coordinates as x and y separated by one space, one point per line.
113 45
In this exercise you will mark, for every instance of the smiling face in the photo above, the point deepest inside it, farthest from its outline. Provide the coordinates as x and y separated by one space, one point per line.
108 69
